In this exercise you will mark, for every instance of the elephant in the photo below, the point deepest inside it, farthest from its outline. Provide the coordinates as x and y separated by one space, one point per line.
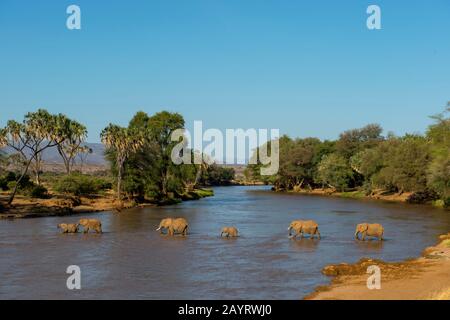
229 232
304 226
68 227
178 225
369 229
91 224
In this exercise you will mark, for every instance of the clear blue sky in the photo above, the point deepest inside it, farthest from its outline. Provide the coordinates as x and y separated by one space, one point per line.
309 68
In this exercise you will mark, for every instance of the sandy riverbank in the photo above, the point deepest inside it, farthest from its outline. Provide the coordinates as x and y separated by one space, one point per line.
427 277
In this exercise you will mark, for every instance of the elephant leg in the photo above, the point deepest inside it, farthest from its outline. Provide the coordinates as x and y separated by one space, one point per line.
363 236
98 230
86 230
185 231
357 235
318 233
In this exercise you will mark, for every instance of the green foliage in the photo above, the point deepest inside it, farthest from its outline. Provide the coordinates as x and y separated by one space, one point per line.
353 141
364 158
217 175
24 184
38 191
335 171
403 163
439 168
149 172
79 184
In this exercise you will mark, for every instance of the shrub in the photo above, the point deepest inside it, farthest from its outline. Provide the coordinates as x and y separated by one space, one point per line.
25 185
422 197
78 184
39 192
3 183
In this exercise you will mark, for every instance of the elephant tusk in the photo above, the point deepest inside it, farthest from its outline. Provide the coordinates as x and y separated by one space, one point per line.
158 229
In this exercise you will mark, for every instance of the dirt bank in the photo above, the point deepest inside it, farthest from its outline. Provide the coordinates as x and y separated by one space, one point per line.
24 207
427 277
58 205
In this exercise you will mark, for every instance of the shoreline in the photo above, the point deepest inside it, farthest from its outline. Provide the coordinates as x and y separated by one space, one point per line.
378 195
25 207
424 278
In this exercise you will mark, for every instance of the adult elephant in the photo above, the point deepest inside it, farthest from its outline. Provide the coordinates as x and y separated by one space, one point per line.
304 226
91 224
173 226
369 229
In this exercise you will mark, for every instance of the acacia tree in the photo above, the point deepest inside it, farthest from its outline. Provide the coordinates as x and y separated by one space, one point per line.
39 130
75 134
122 142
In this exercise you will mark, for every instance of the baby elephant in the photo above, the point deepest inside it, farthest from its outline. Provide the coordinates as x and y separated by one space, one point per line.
369 229
68 227
91 224
304 226
229 232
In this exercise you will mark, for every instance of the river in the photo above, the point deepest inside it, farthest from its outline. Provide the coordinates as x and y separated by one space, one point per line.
131 260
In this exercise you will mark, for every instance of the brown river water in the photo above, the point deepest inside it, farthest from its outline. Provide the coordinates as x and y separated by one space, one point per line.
131 260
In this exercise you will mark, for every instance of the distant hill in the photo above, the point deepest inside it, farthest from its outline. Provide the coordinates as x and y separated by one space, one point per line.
51 155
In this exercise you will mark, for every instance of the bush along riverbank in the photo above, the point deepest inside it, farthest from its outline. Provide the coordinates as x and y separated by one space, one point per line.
424 278
364 163
61 195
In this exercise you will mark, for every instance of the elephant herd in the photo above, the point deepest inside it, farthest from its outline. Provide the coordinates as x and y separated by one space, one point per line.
180 226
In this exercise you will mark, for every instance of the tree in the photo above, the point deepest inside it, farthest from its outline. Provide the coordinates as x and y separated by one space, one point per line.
75 134
163 175
123 143
403 164
352 141
335 172
39 131
438 172
83 154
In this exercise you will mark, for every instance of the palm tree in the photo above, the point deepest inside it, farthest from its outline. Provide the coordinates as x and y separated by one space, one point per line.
122 142
75 134
38 131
